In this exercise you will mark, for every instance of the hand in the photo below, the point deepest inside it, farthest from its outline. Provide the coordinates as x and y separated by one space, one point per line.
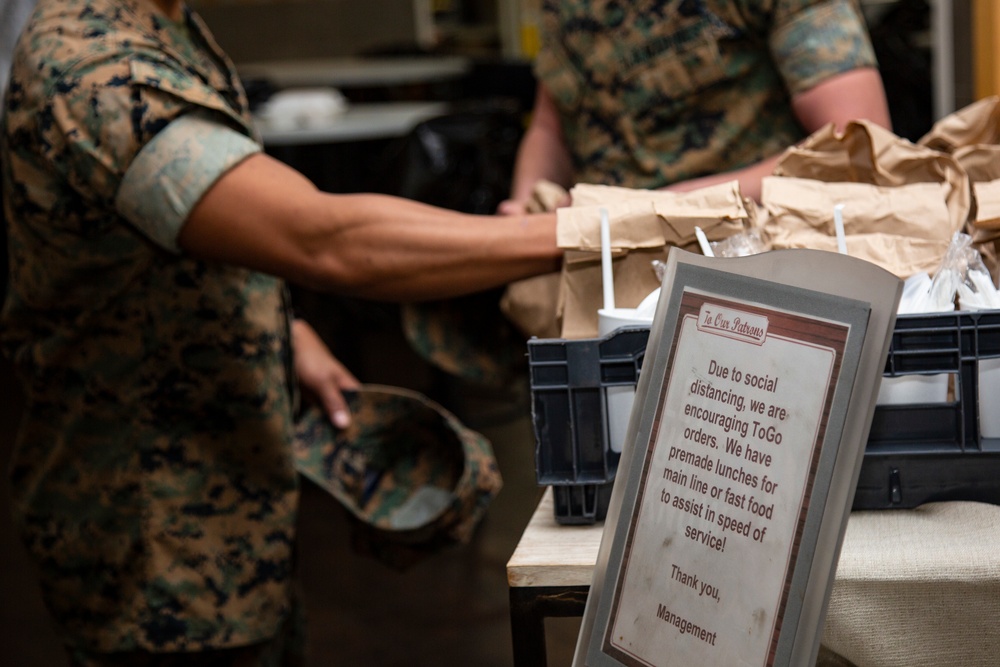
321 376
512 207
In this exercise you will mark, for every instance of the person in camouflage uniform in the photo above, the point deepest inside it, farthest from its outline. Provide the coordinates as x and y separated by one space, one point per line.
680 92
153 479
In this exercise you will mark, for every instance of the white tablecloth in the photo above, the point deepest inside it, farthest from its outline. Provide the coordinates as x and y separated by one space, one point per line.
917 588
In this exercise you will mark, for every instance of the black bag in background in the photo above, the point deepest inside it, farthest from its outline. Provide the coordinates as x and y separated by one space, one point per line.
462 160
906 66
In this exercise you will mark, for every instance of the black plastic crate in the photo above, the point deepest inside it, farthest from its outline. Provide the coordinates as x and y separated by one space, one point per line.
917 452
571 381
581 504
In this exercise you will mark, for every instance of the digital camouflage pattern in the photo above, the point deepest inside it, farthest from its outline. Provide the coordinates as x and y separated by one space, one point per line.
413 477
468 337
152 479
660 91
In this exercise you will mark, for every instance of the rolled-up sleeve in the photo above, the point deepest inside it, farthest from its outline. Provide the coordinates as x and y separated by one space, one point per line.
172 172
814 41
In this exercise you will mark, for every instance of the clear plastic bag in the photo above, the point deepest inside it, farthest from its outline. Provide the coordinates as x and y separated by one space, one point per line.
750 242
963 275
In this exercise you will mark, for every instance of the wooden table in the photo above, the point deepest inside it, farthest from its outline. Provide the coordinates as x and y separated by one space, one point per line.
548 574
913 587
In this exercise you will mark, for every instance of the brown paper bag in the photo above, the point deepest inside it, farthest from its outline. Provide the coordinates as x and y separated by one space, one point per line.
902 202
868 153
644 225
976 123
972 136
904 229
532 304
987 206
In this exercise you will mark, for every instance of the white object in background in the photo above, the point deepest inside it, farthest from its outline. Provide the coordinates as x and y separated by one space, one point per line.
944 287
982 295
303 108
647 307
607 272
918 297
360 122
620 400
989 388
921 295
706 247
838 225
906 389
609 319
916 294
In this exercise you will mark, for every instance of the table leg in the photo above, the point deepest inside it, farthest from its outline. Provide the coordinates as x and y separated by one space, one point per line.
528 608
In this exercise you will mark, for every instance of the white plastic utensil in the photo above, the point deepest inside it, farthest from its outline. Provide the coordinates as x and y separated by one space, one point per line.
607 275
706 247
838 225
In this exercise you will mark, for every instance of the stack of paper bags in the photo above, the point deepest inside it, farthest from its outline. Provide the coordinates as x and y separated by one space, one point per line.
972 136
901 202
644 225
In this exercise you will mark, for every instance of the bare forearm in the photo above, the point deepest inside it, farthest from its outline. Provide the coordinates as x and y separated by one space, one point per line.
387 248
265 216
542 153
541 156
749 178
853 95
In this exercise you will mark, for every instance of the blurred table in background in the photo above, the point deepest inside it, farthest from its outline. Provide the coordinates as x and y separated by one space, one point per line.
357 72
360 122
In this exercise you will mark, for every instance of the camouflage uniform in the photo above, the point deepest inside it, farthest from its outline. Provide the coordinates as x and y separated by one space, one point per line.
655 92
152 479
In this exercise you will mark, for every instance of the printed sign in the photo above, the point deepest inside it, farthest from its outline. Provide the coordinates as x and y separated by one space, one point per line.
739 461
724 485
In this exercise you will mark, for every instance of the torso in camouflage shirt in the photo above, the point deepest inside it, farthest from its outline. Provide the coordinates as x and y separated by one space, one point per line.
152 477
653 92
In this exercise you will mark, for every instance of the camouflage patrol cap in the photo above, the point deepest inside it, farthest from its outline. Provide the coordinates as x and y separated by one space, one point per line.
468 337
413 478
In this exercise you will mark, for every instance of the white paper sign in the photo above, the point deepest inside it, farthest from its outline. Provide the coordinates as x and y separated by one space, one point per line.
724 486
740 461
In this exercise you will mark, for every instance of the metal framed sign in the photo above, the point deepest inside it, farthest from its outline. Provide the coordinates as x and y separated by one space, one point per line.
742 452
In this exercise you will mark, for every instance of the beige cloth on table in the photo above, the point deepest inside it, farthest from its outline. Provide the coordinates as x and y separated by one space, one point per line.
917 588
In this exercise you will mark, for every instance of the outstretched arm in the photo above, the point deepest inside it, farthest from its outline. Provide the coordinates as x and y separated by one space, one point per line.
263 215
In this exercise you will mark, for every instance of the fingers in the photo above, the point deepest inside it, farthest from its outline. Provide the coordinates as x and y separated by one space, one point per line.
321 375
512 207
330 393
